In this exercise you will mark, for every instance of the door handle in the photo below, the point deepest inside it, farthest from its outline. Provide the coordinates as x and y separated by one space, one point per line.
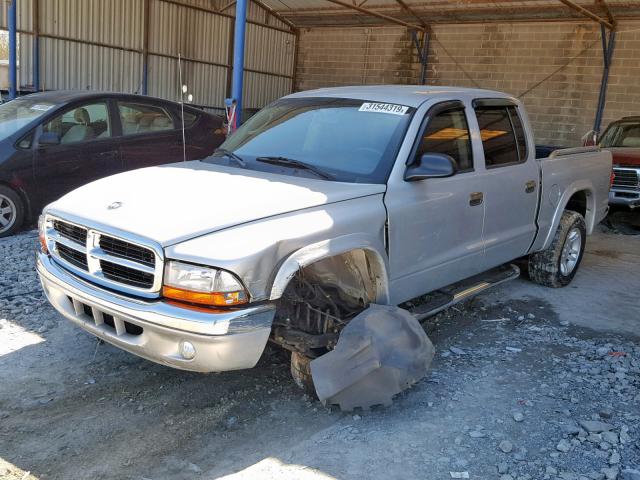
476 198
530 186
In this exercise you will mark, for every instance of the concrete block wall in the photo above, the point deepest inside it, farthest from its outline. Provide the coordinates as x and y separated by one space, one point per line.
554 67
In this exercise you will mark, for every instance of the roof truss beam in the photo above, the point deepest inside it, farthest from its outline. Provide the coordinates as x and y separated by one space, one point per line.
588 13
375 14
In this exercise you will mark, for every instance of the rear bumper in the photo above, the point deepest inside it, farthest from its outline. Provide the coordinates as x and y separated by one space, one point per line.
155 330
629 198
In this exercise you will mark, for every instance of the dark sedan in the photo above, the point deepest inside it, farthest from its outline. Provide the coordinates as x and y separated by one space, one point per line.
53 142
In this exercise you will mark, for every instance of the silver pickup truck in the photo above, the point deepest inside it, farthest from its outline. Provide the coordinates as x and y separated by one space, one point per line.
321 204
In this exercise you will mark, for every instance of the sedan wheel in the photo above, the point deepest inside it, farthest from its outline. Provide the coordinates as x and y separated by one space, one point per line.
8 213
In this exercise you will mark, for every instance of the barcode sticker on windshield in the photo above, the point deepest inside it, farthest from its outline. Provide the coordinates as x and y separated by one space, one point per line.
384 108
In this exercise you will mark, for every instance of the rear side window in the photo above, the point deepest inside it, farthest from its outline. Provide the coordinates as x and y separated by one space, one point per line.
140 118
448 133
521 138
189 119
498 137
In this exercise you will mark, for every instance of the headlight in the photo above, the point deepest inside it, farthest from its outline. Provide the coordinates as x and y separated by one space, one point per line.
42 233
202 285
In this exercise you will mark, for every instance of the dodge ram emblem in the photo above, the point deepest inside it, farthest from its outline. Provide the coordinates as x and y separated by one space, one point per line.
114 206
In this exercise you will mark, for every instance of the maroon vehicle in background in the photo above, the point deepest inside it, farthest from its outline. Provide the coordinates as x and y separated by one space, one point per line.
54 142
622 139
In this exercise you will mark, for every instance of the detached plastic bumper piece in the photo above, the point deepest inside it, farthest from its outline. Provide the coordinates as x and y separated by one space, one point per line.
381 352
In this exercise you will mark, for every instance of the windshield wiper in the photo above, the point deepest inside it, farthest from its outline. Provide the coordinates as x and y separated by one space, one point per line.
229 154
290 162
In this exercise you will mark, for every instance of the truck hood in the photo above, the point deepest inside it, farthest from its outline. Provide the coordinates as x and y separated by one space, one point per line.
625 156
172 203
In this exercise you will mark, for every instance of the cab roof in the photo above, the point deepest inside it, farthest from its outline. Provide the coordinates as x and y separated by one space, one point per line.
410 95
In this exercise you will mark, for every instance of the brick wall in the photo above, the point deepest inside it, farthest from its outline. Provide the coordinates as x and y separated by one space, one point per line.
554 67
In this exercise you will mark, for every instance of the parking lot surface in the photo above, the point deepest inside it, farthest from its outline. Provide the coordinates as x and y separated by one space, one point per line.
527 383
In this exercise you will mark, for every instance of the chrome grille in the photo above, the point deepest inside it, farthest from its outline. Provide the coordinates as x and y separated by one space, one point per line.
122 249
104 258
626 178
126 275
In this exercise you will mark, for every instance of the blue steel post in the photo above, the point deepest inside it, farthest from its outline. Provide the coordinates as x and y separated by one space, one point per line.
13 40
607 52
238 57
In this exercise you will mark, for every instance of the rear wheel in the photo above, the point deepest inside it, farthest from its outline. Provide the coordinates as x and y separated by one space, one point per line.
11 211
557 265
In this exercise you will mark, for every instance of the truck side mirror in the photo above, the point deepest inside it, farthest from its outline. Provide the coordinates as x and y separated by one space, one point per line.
431 165
48 139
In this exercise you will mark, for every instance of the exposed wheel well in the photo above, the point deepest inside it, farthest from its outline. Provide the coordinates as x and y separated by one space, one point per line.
322 297
578 203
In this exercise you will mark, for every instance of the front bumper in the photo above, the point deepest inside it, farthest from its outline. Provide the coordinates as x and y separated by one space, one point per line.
229 340
629 198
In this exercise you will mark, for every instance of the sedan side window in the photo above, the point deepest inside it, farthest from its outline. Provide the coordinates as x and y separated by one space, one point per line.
448 133
140 118
80 124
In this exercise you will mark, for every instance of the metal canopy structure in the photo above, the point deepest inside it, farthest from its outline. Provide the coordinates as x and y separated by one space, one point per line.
418 16
309 13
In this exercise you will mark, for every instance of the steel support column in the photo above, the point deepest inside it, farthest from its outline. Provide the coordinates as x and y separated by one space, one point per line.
13 48
145 49
36 45
607 53
238 57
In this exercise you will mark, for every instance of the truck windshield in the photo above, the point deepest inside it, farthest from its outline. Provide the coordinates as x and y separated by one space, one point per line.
17 113
347 140
624 134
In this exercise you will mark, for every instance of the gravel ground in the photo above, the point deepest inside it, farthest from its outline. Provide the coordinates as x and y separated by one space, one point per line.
519 389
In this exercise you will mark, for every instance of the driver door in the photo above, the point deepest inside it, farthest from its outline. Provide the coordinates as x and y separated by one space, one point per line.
85 150
436 224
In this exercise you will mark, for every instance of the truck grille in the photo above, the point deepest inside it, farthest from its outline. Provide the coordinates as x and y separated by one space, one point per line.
626 178
105 259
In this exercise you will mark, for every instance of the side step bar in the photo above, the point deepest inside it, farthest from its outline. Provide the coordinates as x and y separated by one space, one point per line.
439 300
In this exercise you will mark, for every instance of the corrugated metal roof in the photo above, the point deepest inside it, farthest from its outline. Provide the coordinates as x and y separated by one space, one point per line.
323 12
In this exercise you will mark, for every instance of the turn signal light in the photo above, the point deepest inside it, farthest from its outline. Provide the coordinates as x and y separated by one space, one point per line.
215 299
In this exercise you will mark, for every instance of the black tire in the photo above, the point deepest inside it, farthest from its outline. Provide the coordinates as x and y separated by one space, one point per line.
547 267
11 211
301 373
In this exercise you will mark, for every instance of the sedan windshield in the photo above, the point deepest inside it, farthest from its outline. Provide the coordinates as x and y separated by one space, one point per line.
330 138
625 134
17 113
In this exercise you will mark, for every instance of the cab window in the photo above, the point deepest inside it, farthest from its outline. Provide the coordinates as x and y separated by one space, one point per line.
81 124
498 136
448 133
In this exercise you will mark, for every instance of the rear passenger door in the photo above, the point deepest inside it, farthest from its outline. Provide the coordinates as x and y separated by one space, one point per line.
510 181
149 134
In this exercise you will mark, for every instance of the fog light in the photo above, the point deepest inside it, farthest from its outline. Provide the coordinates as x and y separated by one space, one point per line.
187 350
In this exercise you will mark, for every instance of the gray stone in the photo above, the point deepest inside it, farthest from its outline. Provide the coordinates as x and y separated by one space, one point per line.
594 426
503 468
518 416
563 446
614 459
610 473
506 446
630 474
